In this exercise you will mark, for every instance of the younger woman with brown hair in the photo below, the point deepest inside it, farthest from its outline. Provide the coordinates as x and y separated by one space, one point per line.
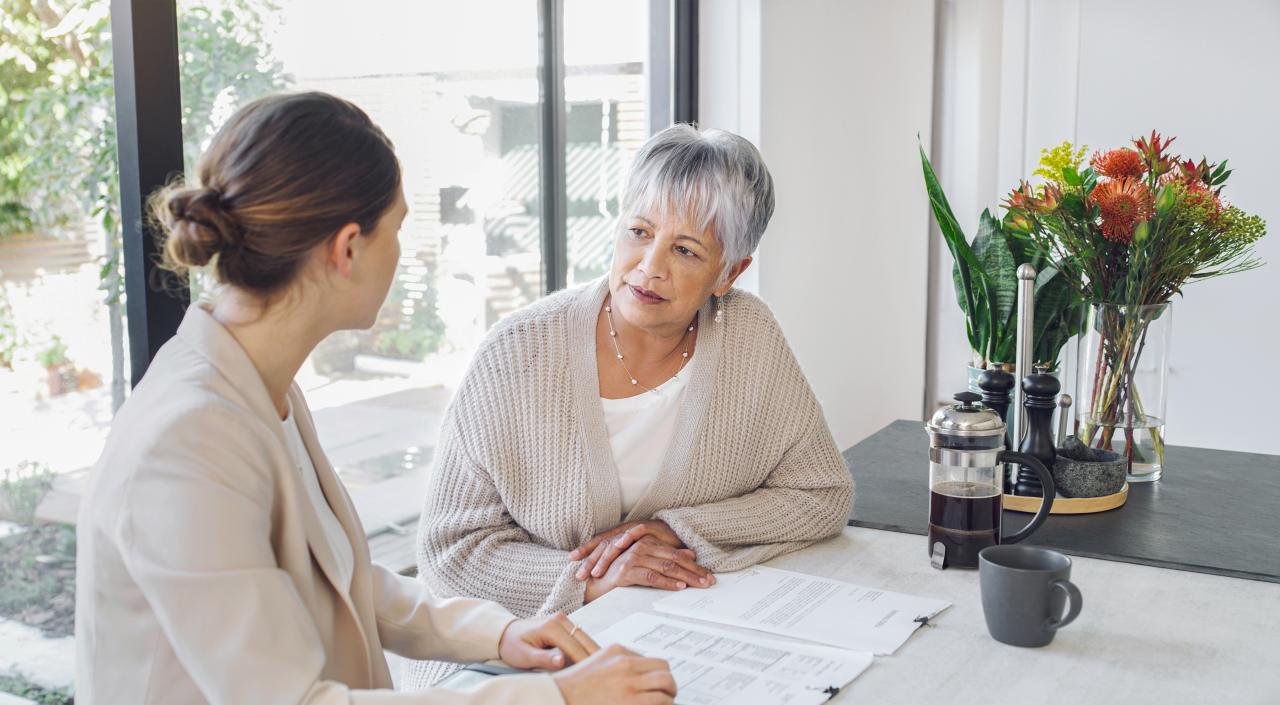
219 558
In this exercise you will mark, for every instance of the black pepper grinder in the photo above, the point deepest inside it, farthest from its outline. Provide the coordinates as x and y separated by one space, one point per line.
1041 391
996 384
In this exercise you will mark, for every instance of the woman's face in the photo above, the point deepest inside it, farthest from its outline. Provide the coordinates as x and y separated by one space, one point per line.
378 256
664 269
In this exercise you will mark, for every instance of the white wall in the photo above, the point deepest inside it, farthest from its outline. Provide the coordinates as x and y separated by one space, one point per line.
967 117
843 89
1078 69
729 80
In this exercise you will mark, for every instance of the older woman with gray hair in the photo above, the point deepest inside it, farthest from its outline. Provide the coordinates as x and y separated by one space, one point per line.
649 428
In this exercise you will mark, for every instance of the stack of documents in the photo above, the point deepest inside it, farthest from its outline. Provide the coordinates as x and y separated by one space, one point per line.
713 666
807 607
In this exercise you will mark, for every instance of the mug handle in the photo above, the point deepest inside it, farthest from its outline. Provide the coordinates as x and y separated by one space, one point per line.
1046 481
1073 609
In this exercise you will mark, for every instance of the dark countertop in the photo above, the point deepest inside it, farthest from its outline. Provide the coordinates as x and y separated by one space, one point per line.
1214 511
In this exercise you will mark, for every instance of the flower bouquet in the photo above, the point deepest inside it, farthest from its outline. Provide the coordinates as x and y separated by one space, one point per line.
1129 232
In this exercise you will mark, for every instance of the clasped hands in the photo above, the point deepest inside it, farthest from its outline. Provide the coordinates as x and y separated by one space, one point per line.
646 553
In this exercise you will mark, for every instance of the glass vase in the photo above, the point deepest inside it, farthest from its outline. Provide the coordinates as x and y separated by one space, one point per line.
1122 383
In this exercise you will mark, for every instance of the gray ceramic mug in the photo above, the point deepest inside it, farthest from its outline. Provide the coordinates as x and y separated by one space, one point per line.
1024 590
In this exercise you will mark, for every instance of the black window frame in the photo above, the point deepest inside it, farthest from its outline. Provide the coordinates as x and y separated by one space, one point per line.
149 139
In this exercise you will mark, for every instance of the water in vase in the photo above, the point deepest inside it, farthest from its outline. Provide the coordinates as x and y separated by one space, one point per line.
1147 439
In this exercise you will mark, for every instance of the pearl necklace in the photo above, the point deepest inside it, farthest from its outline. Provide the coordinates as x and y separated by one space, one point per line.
613 336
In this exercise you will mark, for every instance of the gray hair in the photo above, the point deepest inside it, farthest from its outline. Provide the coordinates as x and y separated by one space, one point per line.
713 179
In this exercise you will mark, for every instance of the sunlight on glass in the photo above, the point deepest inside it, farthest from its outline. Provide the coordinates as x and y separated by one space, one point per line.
457 93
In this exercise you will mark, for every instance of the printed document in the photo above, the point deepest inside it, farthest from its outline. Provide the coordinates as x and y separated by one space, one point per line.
713 666
807 607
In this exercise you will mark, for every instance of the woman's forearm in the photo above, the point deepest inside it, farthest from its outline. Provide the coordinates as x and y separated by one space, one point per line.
749 525
502 565
468 544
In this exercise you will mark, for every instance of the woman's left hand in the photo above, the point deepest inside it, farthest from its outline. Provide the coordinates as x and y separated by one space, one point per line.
603 549
544 642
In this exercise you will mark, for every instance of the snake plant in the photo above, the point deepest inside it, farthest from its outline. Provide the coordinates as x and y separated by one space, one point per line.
985 276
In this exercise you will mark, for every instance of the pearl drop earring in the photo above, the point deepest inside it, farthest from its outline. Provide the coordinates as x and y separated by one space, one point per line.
719 312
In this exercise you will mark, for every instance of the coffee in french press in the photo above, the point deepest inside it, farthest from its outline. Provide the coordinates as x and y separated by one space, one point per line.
967 480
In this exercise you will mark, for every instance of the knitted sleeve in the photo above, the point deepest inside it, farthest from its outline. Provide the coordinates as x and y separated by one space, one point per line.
469 545
807 497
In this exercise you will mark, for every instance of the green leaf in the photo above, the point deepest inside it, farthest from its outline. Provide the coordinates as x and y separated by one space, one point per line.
1165 200
1058 313
1070 176
1022 247
971 282
1073 205
991 249
1141 232
1089 179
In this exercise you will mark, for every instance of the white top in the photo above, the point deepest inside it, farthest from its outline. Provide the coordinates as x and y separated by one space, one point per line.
640 432
333 531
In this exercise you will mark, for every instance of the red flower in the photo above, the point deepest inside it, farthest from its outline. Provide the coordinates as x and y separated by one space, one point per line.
1025 198
1191 172
1050 197
1021 198
1124 203
1152 150
1119 164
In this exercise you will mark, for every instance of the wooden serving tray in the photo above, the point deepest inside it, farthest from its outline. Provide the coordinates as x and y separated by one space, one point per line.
1067 505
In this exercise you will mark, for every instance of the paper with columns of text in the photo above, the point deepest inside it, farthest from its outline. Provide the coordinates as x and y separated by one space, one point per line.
807 607
714 667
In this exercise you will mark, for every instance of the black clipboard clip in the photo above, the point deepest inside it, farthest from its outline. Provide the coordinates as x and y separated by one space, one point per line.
831 692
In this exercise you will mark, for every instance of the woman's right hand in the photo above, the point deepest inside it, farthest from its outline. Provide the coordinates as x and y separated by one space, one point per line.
601 550
616 676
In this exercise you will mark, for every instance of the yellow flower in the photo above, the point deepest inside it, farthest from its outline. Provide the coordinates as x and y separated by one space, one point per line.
1053 160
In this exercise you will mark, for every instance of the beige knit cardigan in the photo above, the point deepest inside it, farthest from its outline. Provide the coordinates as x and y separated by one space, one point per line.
524 472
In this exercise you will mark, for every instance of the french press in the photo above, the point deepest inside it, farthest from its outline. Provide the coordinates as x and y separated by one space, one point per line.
966 483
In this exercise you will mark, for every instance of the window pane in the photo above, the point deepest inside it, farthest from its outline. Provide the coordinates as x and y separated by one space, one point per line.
63 347
605 48
455 87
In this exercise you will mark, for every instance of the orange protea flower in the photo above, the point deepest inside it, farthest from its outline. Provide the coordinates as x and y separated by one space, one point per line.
1119 164
1124 203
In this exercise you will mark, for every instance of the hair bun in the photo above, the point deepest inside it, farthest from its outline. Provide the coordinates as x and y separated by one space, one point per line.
199 226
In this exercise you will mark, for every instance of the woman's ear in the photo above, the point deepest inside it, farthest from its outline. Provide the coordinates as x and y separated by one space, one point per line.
342 249
734 272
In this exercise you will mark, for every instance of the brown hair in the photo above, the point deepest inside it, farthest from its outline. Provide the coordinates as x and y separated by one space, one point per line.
282 176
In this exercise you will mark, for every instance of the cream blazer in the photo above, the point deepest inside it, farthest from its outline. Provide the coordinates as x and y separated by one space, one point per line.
203 574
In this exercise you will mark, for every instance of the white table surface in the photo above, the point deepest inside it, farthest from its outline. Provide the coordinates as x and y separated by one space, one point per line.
1145 635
